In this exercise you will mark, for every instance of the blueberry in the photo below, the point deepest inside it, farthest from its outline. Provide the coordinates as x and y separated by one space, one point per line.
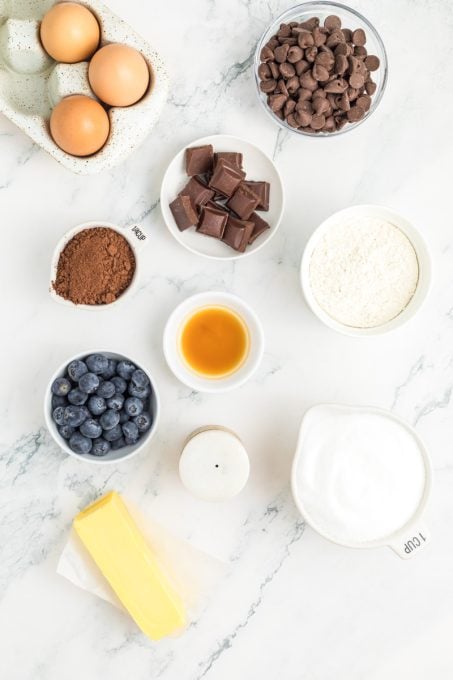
129 441
66 431
89 382
110 370
74 415
76 369
100 447
58 415
120 384
140 392
109 419
58 401
113 434
130 431
125 369
77 397
97 363
61 387
91 428
139 378
96 405
133 406
116 402
124 417
106 389
118 444
80 444
143 421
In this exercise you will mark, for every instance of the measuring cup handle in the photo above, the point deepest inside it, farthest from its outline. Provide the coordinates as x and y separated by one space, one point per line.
409 542
139 235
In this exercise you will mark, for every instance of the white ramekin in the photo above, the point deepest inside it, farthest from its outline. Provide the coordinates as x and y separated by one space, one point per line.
407 540
176 362
421 251
113 456
135 235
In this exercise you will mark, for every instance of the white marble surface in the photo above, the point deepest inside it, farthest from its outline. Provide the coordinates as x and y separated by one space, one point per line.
292 606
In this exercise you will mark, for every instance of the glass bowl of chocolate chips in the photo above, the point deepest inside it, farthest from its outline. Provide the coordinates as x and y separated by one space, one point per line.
321 69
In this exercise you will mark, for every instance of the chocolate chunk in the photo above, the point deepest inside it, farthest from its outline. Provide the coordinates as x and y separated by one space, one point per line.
198 192
259 226
212 221
233 158
183 212
243 202
225 178
199 160
262 190
237 233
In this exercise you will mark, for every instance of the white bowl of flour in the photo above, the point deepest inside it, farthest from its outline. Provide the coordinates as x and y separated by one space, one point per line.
365 271
361 478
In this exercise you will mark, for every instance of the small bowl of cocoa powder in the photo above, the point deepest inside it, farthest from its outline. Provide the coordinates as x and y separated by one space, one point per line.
95 264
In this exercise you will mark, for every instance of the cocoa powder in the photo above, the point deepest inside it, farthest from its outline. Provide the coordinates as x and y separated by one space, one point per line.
95 267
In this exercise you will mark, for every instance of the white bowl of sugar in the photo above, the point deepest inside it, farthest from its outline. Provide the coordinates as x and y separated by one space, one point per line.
365 270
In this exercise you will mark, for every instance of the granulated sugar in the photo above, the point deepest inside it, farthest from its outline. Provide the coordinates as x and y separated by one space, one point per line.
364 272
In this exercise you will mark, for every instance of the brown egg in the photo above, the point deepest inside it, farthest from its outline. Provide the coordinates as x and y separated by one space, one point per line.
79 125
70 32
118 75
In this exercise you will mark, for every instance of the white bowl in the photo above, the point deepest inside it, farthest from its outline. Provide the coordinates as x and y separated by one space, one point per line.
256 164
135 235
171 342
421 251
28 98
405 541
113 456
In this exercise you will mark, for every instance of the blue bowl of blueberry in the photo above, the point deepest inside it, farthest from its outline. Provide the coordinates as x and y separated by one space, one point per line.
101 407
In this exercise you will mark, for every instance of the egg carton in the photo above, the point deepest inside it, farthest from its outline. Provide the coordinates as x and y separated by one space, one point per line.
32 83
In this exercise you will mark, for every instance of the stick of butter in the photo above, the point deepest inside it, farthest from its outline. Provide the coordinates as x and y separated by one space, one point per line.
120 551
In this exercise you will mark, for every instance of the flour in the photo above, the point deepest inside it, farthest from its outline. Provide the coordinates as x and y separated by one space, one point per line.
364 272
360 474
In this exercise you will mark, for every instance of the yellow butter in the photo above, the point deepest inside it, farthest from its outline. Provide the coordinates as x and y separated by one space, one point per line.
129 565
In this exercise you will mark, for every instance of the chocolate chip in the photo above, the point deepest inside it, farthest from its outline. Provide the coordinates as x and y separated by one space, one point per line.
317 122
292 121
343 102
289 107
287 70
281 53
305 39
335 38
268 86
294 55
264 71
341 64
308 82
319 37
293 85
320 73
347 34
304 106
370 87
356 81
310 54
284 31
359 37
332 22
277 102
310 24
341 49
325 59
281 87
337 86
372 62
302 66
304 94
360 52
274 69
272 43
364 101
355 114
303 118
320 105
266 54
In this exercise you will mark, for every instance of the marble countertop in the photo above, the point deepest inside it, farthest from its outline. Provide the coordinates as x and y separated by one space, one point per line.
291 604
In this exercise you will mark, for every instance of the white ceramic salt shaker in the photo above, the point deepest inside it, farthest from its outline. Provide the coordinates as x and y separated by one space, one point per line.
214 464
